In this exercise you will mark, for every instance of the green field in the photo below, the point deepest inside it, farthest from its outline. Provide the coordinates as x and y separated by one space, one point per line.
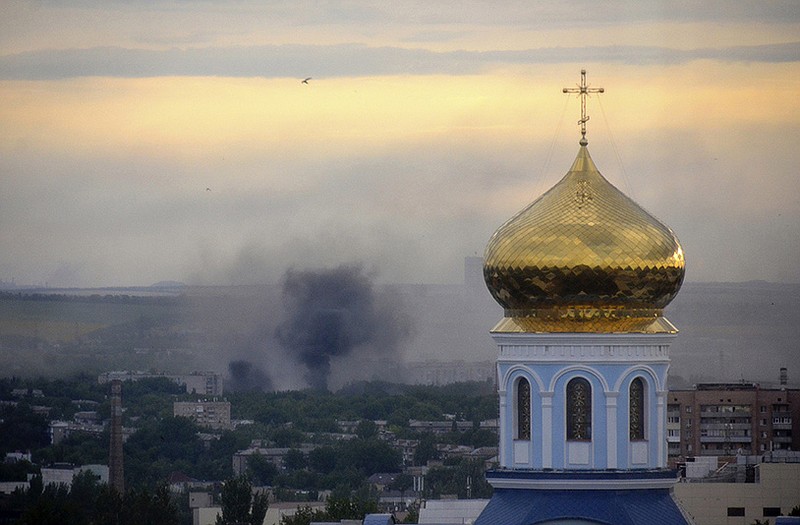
62 335
57 319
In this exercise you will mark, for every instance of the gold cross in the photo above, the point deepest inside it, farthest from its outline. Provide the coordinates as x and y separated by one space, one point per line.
583 90
583 194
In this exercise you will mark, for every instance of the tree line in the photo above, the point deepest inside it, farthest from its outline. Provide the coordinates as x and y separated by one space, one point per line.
163 444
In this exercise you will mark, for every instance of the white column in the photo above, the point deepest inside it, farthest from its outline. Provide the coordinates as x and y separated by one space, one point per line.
506 434
547 429
611 429
661 437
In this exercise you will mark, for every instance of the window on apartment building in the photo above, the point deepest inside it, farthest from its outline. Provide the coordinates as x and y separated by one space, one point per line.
636 409
763 409
579 409
771 511
735 511
688 409
523 409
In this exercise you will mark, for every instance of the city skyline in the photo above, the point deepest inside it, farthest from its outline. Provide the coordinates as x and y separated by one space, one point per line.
176 141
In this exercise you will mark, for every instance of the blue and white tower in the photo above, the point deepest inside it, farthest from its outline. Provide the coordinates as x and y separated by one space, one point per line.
583 274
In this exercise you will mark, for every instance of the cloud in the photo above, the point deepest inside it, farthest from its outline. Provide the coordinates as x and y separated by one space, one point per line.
423 12
347 60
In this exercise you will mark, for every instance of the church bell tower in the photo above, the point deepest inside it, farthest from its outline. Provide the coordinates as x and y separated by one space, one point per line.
583 274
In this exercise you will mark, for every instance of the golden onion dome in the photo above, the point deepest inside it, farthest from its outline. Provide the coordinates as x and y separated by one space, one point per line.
583 257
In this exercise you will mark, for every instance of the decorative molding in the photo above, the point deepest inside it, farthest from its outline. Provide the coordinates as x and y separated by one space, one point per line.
521 452
639 452
529 372
579 453
622 353
582 484
581 339
627 375
579 368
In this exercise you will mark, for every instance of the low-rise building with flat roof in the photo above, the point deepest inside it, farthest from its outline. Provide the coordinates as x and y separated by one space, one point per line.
741 492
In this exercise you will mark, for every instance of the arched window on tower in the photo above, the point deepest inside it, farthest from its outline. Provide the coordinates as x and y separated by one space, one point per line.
636 409
523 409
579 410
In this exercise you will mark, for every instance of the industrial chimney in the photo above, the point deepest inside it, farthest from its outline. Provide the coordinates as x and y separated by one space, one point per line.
116 475
784 376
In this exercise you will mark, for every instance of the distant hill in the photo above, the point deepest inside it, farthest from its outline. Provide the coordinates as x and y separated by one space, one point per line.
168 284
728 331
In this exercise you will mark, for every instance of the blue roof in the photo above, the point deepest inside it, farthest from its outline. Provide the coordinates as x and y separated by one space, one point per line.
379 519
609 507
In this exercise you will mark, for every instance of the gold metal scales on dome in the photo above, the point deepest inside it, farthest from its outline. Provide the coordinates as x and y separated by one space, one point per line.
583 257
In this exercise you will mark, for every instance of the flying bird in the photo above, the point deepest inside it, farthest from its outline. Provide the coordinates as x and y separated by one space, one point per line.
305 80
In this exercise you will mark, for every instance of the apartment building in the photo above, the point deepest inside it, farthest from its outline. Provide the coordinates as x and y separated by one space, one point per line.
202 383
210 414
723 419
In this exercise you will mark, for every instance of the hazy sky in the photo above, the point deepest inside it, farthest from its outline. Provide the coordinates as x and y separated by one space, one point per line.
146 141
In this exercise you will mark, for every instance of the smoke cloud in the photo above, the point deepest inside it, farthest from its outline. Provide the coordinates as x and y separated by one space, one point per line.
244 376
334 313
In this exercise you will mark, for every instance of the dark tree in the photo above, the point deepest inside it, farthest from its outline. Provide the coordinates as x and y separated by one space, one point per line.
426 450
89 502
262 470
294 459
303 516
322 459
369 456
349 508
22 429
240 505
366 429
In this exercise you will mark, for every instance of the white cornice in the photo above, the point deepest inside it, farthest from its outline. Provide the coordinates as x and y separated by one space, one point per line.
581 484
581 339
630 352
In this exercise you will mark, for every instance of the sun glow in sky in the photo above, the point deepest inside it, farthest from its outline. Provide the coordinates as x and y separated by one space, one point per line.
143 142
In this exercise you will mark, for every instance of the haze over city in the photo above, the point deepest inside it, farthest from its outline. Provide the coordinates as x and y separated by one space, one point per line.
143 142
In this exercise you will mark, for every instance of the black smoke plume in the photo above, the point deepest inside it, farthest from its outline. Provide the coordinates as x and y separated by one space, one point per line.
332 312
244 377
